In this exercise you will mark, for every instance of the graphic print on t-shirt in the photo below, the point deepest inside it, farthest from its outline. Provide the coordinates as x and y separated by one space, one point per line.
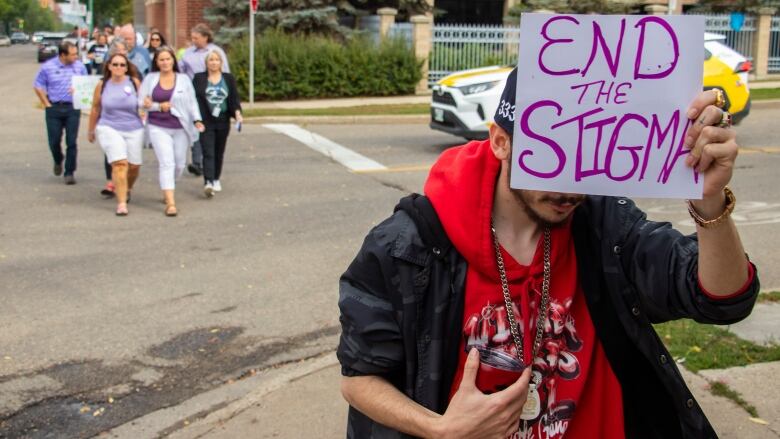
489 332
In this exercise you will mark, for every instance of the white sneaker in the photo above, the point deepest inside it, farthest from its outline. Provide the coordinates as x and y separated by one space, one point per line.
217 186
208 190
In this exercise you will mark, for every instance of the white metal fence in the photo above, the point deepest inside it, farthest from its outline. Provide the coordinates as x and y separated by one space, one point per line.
774 46
459 47
740 40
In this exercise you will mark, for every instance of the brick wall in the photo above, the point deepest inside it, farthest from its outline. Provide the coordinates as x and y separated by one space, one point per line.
156 16
188 14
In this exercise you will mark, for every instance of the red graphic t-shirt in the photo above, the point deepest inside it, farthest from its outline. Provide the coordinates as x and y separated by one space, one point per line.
579 393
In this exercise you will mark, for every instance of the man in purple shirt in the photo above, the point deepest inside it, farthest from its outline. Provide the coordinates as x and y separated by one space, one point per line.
54 88
194 61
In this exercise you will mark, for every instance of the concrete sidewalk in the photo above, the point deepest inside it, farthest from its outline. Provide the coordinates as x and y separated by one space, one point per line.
303 399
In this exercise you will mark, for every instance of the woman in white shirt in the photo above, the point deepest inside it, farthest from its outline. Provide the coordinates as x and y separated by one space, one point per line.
174 119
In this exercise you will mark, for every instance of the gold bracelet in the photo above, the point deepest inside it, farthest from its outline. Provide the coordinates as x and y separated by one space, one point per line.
731 201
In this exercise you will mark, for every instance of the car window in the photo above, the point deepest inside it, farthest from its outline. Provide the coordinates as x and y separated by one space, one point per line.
707 54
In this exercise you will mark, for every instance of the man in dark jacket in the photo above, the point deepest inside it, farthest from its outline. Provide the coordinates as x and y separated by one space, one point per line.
452 298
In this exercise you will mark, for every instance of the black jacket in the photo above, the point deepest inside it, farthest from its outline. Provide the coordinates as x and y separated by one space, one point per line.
401 304
200 82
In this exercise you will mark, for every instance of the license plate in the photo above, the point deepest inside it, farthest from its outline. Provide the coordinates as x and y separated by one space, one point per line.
438 115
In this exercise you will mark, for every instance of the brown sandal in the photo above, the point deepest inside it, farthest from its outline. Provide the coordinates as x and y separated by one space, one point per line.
170 210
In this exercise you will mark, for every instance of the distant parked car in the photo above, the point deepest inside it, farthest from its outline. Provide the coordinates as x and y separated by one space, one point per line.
19 38
37 37
4 41
47 48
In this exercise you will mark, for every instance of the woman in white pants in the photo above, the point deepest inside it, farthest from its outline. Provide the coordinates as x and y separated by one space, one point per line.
115 122
174 119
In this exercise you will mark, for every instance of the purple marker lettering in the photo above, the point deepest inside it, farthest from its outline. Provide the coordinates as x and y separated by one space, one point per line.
526 129
671 159
585 88
551 41
603 93
631 149
655 129
598 38
619 93
579 174
641 46
599 125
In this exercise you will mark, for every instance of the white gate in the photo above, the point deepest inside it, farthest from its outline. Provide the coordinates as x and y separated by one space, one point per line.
466 46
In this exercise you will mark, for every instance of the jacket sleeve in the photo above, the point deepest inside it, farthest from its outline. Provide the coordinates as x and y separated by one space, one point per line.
191 100
371 342
234 100
663 265
146 90
200 95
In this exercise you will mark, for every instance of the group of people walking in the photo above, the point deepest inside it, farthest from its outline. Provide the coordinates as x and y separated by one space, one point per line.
169 103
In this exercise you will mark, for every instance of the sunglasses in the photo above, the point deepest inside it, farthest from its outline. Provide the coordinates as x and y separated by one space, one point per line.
115 64
155 39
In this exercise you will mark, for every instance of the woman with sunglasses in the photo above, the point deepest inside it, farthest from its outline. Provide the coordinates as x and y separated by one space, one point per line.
174 119
116 124
156 40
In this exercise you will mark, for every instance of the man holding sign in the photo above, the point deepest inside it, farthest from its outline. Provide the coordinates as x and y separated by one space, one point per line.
506 302
54 87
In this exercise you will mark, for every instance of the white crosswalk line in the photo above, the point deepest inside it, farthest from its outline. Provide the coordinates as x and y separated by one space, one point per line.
341 154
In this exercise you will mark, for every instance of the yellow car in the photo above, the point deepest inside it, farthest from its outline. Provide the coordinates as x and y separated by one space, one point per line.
719 75
463 103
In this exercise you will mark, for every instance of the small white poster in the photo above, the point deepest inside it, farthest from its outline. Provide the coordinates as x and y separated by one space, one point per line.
83 90
602 101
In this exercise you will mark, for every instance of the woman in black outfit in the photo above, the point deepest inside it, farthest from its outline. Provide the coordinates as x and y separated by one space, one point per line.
219 101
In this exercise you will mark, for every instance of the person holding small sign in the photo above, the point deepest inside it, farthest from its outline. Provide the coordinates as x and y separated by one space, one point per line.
485 310
54 87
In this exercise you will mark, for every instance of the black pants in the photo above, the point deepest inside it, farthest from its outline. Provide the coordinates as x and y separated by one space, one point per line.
213 142
63 117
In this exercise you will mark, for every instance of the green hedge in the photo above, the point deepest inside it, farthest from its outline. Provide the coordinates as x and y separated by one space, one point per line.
294 67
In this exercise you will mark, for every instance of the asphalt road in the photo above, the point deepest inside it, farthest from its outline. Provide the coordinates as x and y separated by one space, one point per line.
146 311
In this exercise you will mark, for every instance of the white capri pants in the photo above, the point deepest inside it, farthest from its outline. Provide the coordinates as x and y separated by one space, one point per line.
170 146
121 145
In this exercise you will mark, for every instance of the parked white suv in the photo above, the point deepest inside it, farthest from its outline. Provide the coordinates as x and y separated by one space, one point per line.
463 103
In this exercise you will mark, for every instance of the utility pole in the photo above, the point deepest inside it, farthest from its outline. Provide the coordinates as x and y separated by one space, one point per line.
252 11
90 18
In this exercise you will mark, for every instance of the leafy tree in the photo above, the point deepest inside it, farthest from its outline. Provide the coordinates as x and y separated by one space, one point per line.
300 16
573 7
112 12
35 18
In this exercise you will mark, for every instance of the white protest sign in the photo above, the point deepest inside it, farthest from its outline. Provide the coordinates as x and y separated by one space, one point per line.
83 90
601 104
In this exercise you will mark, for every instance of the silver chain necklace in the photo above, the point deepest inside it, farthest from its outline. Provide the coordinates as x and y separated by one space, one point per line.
543 309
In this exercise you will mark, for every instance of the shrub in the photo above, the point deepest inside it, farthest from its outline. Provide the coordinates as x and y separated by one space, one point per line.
294 67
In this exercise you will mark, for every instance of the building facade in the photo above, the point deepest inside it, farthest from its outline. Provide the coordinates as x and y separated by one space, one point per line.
174 18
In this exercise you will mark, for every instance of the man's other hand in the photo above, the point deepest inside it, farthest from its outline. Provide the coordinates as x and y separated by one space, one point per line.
472 414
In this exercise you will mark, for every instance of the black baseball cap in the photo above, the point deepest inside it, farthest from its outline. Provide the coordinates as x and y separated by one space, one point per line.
505 113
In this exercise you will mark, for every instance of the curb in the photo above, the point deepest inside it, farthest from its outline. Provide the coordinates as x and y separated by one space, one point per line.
764 102
338 120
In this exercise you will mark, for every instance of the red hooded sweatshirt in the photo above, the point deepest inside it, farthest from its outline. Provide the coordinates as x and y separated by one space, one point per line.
579 393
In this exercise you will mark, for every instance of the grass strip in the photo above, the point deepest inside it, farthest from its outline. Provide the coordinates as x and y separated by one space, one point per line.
721 389
701 346
758 94
771 297
360 110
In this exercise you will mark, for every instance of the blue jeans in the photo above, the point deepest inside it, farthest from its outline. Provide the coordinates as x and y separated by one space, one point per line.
61 117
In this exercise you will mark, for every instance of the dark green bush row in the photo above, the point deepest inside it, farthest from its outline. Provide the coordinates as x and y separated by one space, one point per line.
294 67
